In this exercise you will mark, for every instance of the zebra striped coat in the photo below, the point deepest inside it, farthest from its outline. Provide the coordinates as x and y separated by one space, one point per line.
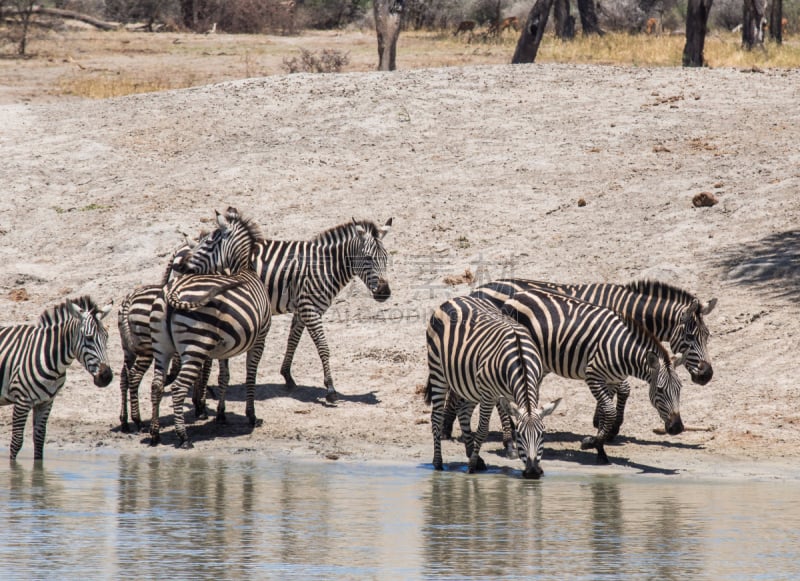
668 312
133 322
579 340
304 277
483 357
210 316
34 361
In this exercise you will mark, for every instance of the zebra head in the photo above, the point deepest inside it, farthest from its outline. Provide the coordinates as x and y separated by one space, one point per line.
181 254
530 436
368 258
92 340
665 390
226 250
690 338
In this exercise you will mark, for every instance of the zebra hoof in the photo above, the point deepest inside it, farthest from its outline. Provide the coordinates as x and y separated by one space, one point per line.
185 444
438 466
602 458
155 440
290 384
125 428
331 396
221 418
256 422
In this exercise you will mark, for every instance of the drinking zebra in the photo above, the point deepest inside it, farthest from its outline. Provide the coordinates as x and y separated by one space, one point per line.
304 277
668 312
579 340
210 316
34 361
482 356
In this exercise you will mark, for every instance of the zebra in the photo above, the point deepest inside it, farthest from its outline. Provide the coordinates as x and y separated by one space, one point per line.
133 321
482 356
303 277
203 316
34 361
669 312
579 340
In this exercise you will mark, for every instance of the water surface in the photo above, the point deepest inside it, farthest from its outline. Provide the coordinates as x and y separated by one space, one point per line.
145 516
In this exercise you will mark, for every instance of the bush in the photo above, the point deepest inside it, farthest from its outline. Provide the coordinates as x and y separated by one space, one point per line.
326 61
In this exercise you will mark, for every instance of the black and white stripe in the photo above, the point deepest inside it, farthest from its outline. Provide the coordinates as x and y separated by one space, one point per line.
133 321
210 316
668 312
580 340
34 361
481 356
304 277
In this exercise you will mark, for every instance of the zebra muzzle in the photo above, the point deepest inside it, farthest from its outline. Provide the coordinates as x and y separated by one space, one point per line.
703 374
532 470
103 376
674 425
381 292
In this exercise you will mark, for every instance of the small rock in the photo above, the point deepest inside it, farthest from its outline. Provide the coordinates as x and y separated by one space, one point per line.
704 199
581 202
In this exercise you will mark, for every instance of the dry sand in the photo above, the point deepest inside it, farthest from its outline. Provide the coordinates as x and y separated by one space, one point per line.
482 168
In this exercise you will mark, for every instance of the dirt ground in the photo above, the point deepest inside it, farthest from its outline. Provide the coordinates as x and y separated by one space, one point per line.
482 168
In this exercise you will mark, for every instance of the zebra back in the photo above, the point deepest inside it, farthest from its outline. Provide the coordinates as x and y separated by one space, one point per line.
313 272
668 312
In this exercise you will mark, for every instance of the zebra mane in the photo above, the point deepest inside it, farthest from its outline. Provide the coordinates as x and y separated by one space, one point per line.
639 329
251 226
658 288
345 230
60 313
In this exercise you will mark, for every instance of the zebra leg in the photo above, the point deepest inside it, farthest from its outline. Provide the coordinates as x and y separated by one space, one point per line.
596 419
19 418
451 406
475 461
187 377
199 392
40 414
465 410
156 393
253 359
135 374
608 414
223 380
438 397
313 322
295 332
623 391
123 389
508 430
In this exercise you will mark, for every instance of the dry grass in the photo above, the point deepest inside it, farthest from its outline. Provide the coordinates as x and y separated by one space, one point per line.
88 63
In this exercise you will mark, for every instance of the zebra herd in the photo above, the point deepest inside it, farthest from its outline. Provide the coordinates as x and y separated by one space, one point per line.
491 348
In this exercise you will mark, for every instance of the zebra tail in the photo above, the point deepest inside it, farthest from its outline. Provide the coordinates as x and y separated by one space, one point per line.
526 373
174 301
428 393
129 340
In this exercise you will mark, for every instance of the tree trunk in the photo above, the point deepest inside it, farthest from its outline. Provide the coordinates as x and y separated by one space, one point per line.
752 23
776 21
387 26
565 22
696 28
588 14
532 31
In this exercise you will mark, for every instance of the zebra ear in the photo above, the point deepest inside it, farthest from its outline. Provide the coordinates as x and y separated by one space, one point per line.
221 220
549 408
652 360
75 310
706 308
102 313
383 231
359 228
